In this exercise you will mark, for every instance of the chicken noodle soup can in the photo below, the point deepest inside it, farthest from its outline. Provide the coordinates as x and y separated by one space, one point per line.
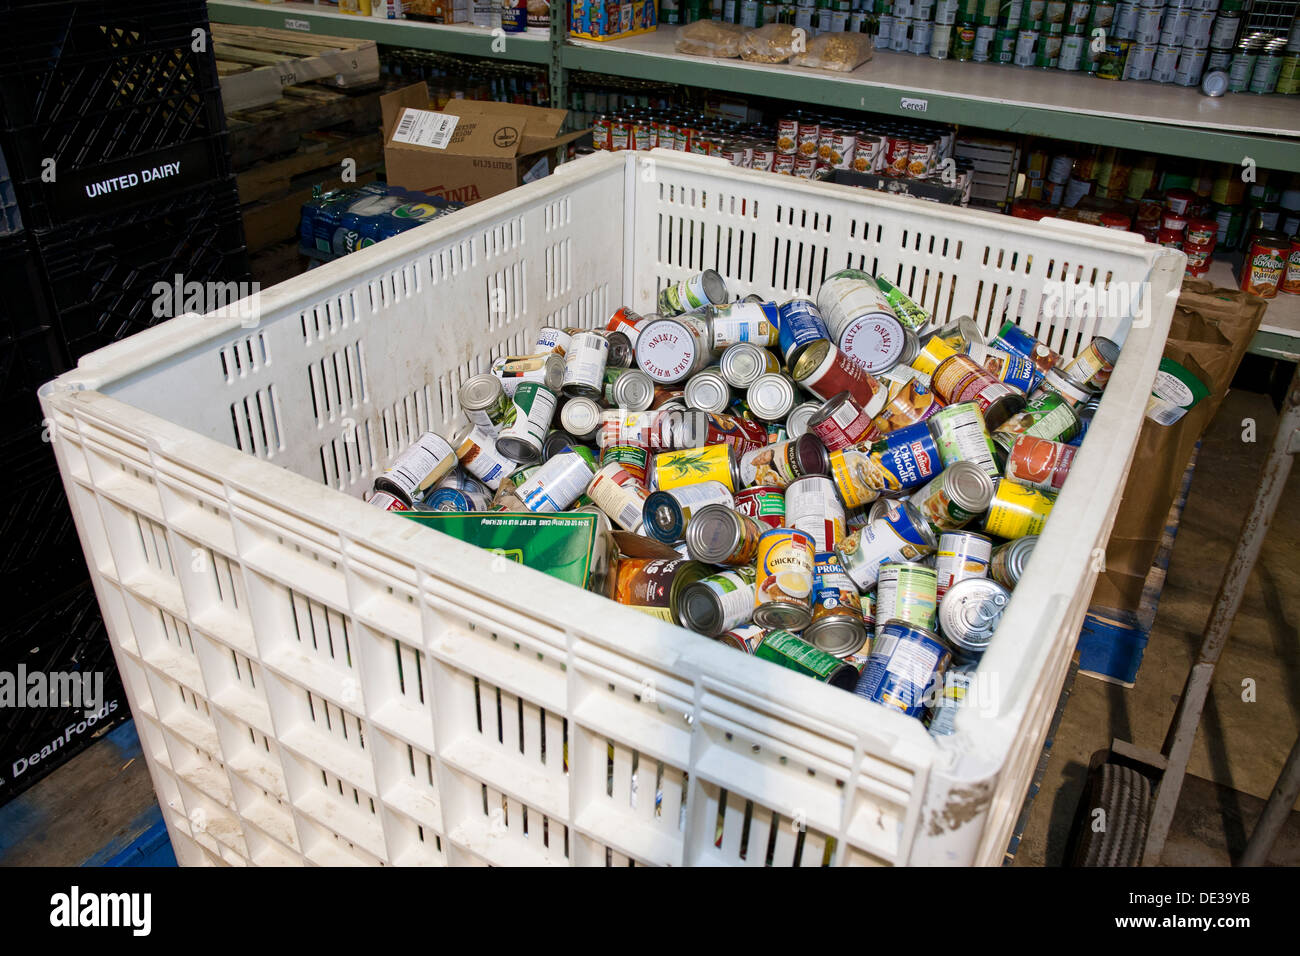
619 495
812 506
961 555
837 626
765 503
667 514
654 586
1039 463
429 458
723 536
781 647
558 483
719 603
907 591
1017 510
783 589
904 667
908 456
689 466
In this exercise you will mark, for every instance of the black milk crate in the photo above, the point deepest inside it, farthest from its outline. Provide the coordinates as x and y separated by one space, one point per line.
64 636
110 98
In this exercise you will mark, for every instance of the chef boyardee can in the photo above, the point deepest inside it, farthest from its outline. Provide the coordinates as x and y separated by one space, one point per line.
837 626
703 288
483 400
667 514
719 603
907 592
955 496
1017 511
521 439
961 555
654 586
969 614
782 647
689 466
904 667
801 326
418 468
961 435
783 590
558 483
721 535
584 366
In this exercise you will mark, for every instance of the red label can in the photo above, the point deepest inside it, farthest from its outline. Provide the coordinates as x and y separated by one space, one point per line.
898 151
742 434
841 423
826 371
1039 463
1291 275
787 135
765 503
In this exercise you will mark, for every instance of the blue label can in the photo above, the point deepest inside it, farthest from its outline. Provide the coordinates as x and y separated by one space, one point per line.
909 454
904 668
801 325
1015 339
1021 372
906 519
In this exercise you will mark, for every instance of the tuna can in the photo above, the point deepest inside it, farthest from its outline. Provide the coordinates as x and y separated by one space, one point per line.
746 638
521 439
671 350
484 402
782 596
961 555
1009 560
667 514
908 456
801 324
906 591
617 492
584 366
708 391
765 503
863 552
837 626
631 457
557 484
551 339
1017 511
654 586
840 422
544 369
1091 368
780 463
689 466
904 667
387 502
478 454
744 362
428 459
961 435
782 647
970 612
1039 463
632 389
955 496
1049 416
1056 381
703 288
581 418
796 423
812 506
770 397
825 371
720 603
718 534
753 322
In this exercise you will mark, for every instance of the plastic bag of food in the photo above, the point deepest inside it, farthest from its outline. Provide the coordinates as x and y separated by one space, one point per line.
835 51
772 43
707 38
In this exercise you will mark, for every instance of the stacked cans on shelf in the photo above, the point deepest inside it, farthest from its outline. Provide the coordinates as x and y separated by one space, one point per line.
834 484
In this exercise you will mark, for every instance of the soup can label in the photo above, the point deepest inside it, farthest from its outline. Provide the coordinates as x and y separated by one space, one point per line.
904 666
912 404
909 456
785 577
833 590
907 592
1039 463
812 506
961 435
765 503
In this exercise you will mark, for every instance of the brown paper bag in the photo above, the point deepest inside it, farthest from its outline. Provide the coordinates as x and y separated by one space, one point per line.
1210 333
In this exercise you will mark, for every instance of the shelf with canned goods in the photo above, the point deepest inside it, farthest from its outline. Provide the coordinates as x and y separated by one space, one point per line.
1165 119
466 39
1279 331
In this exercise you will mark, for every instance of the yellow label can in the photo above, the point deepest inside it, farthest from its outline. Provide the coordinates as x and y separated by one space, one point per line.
690 466
1017 510
936 351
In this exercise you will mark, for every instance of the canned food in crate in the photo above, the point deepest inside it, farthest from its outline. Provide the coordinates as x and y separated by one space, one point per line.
783 164
632 458
765 503
1016 370
1039 463
746 638
779 464
521 439
840 422
781 647
1056 382
428 459
479 455
954 496
689 466
837 626
580 418
800 325
826 371
483 400
667 514
453 500
843 146
770 397
741 364
969 614
906 591
909 456
703 288
960 378
1017 510
1015 339
671 350
654 586
754 322
557 483
619 495
877 342
958 682
796 423
904 667
628 388
721 535
933 353
862 552
708 391
544 369
961 555
783 590
1048 416
742 434
961 435
914 403
905 518
812 506
387 502
1009 560
719 604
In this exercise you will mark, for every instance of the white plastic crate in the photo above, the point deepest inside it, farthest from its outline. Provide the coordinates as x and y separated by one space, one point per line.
316 681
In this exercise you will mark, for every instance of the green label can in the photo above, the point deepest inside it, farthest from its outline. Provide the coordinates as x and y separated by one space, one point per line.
534 407
782 647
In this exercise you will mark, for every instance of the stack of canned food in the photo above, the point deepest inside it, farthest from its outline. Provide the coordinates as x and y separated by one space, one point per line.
832 484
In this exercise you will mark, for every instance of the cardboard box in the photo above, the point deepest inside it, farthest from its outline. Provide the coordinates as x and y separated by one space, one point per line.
493 147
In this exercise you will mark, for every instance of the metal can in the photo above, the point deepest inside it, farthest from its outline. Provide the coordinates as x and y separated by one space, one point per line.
742 434
741 364
1012 368
671 350
667 514
584 366
812 506
877 341
765 503
840 422
428 459
1263 269
961 555
387 502
787 135
796 423
837 626
633 459
1017 510
545 369
1039 463
955 496
1291 274
1056 381
628 388
969 614
800 324
1009 560
721 535
753 322
689 466
904 667
781 647
557 484
453 500
720 603
1015 339
961 435
708 391
934 352
909 457
477 452
912 404
654 586
534 407
703 288
617 492
483 400
960 378
783 590
861 553
580 418
1049 416
780 463
746 638
825 371
551 339
770 397
906 591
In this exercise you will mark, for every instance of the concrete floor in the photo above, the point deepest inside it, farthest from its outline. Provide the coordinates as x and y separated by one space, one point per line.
1241 745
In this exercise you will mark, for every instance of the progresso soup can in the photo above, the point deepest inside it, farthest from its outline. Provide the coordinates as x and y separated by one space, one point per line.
837 625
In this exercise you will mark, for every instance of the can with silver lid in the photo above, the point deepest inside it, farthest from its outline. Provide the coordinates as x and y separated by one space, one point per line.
708 391
581 418
801 324
863 552
825 371
631 389
850 298
1009 560
778 464
483 400
837 624
703 288
741 364
718 534
783 587
969 614
790 651
904 668
428 459
621 348
770 397
955 496
841 422
719 603
556 440
961 555
796 423
667 514
671 350
534 406
546 368
477 451
1059 383
689 466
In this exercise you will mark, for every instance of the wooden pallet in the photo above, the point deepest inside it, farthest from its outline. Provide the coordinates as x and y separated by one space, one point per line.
277 128
257 63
